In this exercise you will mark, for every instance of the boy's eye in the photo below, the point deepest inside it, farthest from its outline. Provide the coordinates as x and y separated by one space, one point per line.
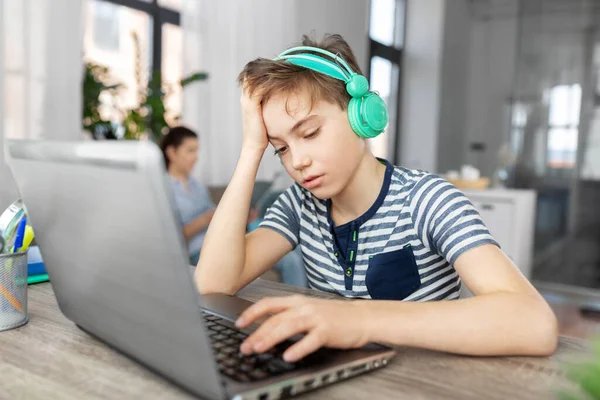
312 135
280 150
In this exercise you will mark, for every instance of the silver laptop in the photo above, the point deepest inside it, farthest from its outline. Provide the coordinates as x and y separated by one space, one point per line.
106 224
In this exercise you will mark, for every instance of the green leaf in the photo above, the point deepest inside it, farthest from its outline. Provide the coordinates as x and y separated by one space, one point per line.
586 374
588 377
568 396
148 117
198 76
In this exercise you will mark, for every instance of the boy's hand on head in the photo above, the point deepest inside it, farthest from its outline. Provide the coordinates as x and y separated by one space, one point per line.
330 323
254 131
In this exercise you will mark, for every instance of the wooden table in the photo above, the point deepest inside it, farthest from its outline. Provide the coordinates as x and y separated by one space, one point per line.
50 358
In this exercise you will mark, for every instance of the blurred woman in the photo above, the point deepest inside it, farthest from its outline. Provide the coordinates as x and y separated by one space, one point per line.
180 150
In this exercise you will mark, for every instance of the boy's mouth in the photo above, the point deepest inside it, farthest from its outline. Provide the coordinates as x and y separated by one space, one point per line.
312 181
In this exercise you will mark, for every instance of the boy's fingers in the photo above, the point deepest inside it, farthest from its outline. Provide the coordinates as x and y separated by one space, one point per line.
274 331
309 344
265 306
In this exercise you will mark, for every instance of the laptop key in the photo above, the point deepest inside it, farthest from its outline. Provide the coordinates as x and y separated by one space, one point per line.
241 377
246 367
276 366
264 357
230 362
230 372
258 374
218 328
229 332
219 337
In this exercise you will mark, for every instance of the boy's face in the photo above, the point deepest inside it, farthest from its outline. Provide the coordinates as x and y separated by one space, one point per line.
317 146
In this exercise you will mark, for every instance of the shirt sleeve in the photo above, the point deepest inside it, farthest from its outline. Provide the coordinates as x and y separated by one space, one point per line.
445 219
284 215
207 202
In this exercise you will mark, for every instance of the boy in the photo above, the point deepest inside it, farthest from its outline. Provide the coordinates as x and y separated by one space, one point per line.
367 229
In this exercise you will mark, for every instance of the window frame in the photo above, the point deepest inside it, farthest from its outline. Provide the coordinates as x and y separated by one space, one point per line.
394 54
160 16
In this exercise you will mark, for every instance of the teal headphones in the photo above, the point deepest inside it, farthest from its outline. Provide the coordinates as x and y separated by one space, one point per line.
367 112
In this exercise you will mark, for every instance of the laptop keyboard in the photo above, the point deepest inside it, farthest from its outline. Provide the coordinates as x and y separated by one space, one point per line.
226 343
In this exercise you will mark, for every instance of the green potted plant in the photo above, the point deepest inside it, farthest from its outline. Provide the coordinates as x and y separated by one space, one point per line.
147 119
95 83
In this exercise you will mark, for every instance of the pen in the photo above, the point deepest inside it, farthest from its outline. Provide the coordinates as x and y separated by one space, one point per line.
11 299
20 234
27 239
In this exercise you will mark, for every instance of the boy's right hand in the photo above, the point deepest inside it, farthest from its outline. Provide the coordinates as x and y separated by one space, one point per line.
254 131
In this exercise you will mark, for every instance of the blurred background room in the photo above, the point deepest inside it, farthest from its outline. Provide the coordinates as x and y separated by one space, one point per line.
500 96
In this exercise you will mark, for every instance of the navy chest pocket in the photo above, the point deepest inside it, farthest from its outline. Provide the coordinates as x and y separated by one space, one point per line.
393 275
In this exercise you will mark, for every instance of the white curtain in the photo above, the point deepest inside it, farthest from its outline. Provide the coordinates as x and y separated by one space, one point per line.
220 37
40 74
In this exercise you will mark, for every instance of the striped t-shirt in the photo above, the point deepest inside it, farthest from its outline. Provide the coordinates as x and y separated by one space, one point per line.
402 248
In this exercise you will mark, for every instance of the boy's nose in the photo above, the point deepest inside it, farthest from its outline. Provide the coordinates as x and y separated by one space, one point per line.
300 161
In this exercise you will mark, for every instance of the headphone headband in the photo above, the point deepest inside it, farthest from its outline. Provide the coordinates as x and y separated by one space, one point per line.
326 67
334 57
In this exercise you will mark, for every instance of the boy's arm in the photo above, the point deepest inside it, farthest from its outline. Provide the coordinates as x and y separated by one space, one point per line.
227 255
506 317
229 259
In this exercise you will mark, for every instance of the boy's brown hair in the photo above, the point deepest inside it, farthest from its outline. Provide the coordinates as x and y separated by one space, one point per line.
271 77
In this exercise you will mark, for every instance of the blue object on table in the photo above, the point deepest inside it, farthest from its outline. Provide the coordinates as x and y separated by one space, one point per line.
35 264
20 235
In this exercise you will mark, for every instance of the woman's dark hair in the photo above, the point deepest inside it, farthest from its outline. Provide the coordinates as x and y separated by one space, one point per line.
174 138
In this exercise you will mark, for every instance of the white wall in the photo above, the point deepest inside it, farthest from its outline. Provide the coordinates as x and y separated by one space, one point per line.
350 18
454 83
457 78
222 36
492 63
421 87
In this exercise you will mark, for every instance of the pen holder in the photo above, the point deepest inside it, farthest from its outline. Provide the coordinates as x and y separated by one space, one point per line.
13 290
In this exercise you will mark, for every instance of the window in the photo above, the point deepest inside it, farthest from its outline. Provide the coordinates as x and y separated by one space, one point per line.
134 38
386 31
520 113
172 70
563 126
105 26
118 52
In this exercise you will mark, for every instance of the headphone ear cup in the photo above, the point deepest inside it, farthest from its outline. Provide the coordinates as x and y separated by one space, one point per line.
354 116
367 115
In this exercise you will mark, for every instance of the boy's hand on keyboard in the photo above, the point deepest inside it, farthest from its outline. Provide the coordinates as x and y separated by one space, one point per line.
330 323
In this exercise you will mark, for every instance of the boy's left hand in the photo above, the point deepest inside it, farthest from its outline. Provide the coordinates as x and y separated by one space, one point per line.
331 323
